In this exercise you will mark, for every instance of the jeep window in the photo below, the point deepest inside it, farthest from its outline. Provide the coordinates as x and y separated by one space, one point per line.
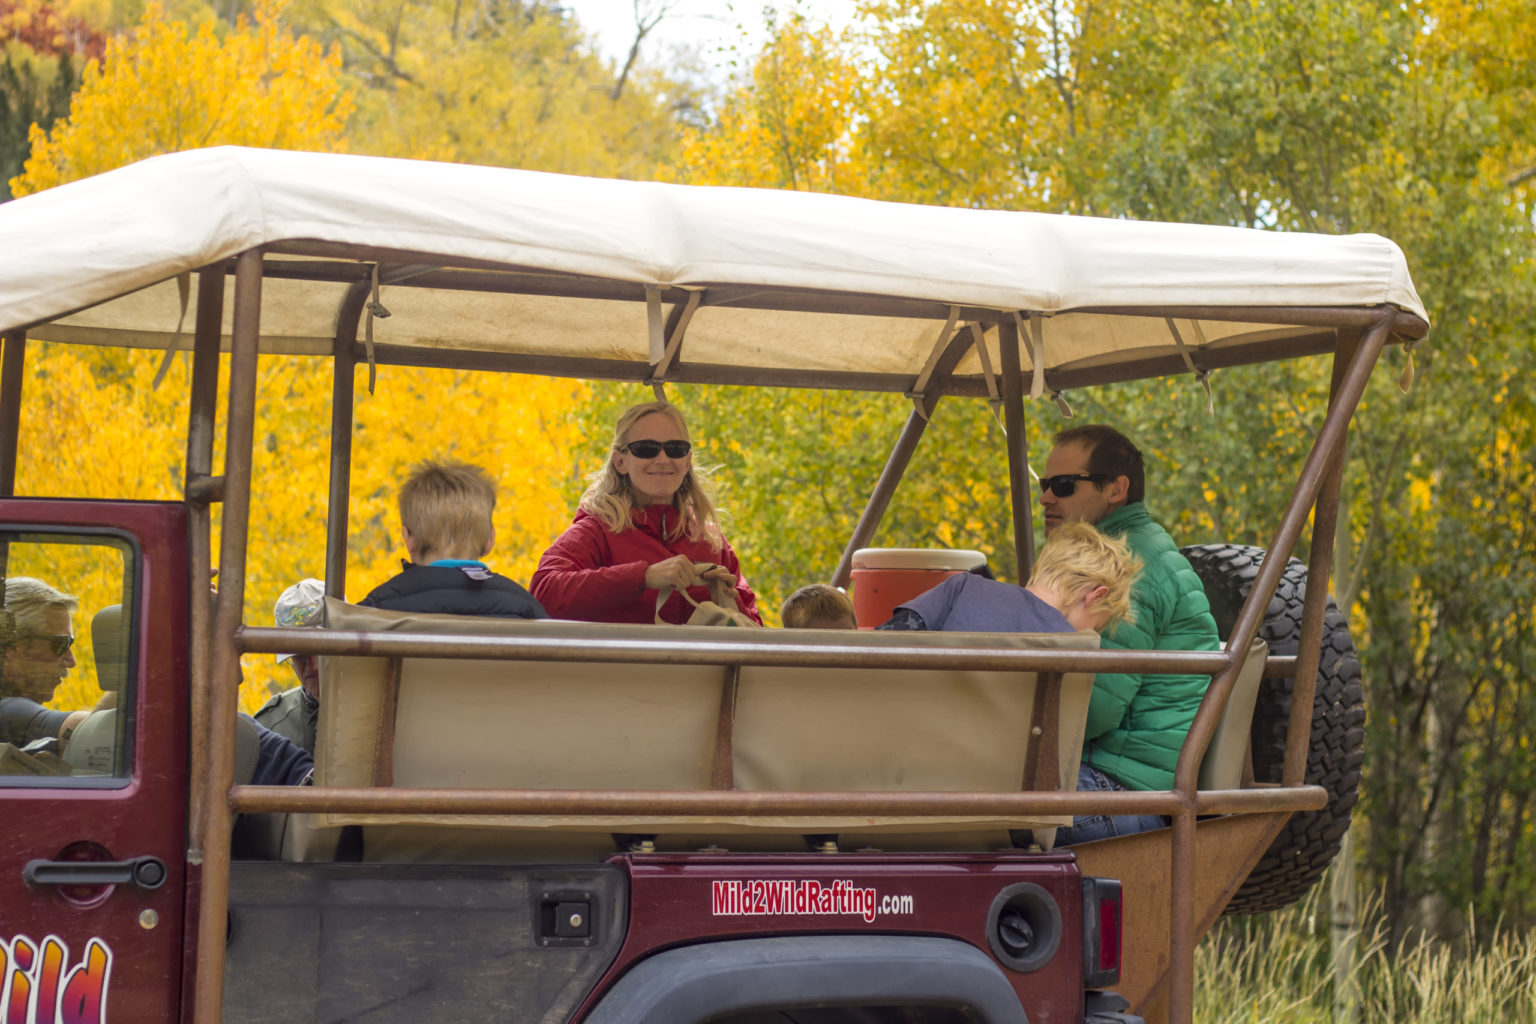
66 688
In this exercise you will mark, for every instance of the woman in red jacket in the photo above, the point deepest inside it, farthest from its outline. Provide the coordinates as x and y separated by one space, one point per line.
646 522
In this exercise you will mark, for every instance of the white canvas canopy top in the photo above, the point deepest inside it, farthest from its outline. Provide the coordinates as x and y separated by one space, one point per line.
394 261
482 266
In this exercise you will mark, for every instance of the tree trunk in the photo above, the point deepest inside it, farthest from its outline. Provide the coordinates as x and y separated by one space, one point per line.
1343 902
1438 919
1344 935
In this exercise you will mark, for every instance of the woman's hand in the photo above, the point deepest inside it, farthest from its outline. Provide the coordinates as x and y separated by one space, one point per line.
676 572
719 574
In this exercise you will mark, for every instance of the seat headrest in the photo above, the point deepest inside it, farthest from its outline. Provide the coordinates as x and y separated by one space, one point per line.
109 639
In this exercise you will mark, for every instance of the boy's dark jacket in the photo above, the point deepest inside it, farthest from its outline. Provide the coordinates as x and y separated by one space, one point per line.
454 590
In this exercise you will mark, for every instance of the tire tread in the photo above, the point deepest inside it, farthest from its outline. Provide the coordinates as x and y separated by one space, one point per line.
1311 839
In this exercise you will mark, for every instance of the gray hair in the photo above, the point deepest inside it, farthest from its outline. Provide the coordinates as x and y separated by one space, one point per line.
29 601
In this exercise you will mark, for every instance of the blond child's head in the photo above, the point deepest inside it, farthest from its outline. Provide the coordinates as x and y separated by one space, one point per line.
445 511
818 606
1086 575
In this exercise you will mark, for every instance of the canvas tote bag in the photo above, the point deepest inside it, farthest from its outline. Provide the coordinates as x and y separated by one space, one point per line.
723 610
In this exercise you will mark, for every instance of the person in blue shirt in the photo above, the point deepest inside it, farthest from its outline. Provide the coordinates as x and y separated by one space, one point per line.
1081 580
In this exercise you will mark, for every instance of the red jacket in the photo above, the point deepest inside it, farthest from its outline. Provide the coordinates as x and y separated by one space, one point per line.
595 575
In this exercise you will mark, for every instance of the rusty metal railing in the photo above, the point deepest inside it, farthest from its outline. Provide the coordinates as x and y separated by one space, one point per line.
218 643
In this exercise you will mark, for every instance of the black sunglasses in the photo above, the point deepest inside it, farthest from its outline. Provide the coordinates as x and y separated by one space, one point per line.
1064 485
651 449
60 644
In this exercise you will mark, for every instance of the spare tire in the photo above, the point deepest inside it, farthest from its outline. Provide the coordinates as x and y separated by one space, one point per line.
1310 840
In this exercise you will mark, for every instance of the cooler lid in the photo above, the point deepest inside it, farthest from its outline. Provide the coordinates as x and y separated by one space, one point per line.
943 559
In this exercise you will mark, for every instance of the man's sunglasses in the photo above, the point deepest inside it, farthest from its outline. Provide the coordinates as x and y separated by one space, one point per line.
60 644
1064 485
651 449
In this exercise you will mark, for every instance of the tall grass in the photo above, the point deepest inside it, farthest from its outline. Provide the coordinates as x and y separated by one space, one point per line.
1278 968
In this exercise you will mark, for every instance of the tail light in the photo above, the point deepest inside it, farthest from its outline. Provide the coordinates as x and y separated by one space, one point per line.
1101 932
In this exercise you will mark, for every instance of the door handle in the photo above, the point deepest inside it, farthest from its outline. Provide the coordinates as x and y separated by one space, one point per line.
143 872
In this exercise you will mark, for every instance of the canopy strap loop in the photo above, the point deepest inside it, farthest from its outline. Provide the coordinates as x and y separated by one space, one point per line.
919 400
1405 382
1036 335
184 290
674 342
375 309
1203 376
654 322
994 398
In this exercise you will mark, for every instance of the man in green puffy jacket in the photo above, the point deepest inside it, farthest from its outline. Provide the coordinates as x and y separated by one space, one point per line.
1136 723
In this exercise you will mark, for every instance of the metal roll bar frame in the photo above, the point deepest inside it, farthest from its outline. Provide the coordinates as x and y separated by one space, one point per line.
1355 336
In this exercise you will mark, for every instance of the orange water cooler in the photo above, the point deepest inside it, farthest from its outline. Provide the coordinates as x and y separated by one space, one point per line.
886 577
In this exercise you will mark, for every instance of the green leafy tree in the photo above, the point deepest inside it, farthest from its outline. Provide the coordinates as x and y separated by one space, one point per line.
1407 120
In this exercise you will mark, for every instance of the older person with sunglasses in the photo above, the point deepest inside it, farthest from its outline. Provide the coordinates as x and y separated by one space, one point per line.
37 654
646 522
1136 722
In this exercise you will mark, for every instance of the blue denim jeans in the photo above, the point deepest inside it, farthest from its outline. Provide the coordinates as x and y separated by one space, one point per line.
1104 826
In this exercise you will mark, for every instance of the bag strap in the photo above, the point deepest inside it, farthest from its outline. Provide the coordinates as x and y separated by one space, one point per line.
664 595
720 591
724 594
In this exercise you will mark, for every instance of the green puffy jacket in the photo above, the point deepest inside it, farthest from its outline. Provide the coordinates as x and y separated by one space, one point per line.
1136 723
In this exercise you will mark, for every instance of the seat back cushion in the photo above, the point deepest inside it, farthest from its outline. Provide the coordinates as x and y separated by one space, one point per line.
644 725
1222 767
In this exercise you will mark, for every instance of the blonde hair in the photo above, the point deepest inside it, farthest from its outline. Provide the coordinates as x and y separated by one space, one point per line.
816 603
1078 558
608 496
447 506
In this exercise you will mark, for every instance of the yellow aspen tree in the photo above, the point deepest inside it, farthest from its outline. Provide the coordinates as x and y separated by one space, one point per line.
94 428
105 433
99 429
526 432
167 87
529 433
513 85
87 432
793 124
1500 59
44 49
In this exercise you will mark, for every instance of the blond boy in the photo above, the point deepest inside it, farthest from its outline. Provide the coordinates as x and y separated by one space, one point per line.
445 523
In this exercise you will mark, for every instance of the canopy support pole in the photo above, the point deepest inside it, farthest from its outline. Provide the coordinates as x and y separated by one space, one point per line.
895 466
343 406
12 374
901 454
1314 607
202 413
1015 426
213 789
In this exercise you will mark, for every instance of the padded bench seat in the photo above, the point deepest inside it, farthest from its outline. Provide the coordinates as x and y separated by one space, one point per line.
530 724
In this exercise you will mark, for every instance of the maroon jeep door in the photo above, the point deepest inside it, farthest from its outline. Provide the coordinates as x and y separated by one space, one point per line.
92 807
